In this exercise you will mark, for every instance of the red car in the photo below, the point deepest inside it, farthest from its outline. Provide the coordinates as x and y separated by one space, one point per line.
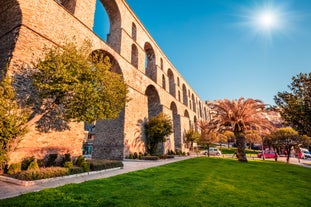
268 154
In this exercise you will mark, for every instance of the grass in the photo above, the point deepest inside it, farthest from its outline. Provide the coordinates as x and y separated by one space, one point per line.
249 152
195 182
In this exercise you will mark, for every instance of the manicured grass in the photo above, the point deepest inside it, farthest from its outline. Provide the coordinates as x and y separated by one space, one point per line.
195 182
249 152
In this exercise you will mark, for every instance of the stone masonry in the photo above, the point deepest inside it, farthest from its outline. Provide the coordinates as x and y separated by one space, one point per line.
155 85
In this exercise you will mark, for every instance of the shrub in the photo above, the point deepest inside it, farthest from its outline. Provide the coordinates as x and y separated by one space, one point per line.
68 164
135 156
80 160
86 166
97 165
51 160
33 165
130 156
76 170
26 162
42 173
14 168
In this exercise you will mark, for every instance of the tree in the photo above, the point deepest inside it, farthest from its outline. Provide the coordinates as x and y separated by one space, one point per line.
207 137
252 137
230 136
78 86
12 119
157 129
239 116
287 138
191 136
295 106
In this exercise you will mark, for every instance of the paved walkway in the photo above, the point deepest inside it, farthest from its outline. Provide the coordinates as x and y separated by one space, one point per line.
8 190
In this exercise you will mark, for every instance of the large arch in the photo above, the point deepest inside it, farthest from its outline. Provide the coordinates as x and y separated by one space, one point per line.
176 126
10 20
150 62
113 13
171 79
184 95
154 106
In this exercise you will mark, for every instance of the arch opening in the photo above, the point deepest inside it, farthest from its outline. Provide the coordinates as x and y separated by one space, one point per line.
150 64
154 106
171 82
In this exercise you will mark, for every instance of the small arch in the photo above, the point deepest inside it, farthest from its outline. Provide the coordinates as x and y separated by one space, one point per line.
179 96
173 107
193 103
178 81
195 123
154 106
150 64
200 109
134 31
205 114
161 63
186 114
163 82
134 56
184 95
171 82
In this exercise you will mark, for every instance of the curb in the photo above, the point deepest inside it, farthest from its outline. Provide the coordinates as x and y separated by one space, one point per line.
36 182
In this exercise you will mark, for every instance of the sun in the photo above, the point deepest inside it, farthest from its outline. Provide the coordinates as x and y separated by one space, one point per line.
265 19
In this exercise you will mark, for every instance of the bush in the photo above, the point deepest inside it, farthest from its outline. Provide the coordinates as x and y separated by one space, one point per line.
97 165
42 173
76 170
26 162
135 156
86 166
51 160
33 165
131 156
14 168
80 160
68 164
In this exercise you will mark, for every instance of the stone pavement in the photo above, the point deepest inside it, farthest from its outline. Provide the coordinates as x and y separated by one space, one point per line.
8 190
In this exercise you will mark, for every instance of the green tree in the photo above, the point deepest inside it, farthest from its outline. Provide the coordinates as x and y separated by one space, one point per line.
295 106
230 136
239 116
157 129
78 85
12 119
252 137
191 136
288 139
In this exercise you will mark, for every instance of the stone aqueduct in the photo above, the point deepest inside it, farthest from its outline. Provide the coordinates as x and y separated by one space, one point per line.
155 85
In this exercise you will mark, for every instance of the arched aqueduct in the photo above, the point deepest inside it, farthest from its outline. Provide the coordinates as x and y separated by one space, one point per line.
155 85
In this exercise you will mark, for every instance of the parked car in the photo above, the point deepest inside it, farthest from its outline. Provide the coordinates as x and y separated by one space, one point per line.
305 154
212 151
268 154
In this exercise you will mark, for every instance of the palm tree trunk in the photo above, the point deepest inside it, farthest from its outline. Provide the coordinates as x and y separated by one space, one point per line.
240 141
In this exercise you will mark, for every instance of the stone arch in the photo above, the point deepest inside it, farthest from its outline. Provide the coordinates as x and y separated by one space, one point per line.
134 56
171 79
179 96
193 103
176 126
186 114
161 63
163 82
154 106
10 20
134 31
150 64
184 95
99 55
205 114
113 13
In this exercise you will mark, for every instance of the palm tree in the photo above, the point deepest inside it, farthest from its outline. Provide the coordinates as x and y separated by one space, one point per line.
239 116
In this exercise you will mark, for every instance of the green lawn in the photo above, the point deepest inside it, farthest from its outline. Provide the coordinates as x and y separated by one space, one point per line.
195 182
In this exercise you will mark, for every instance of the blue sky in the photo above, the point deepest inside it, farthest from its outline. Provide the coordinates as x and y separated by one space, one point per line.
231 48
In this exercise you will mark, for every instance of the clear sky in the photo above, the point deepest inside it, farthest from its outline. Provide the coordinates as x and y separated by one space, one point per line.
232 48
